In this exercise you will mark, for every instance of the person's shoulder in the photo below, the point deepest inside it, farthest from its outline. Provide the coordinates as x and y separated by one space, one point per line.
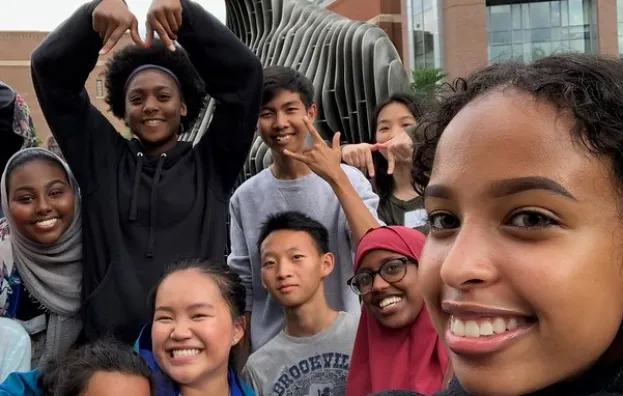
350 319
13 332
251 185
353 174
259 357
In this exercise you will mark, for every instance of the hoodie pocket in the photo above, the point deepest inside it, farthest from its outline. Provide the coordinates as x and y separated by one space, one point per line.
116 307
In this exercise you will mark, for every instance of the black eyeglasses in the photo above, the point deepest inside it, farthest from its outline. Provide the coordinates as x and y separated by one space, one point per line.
391 271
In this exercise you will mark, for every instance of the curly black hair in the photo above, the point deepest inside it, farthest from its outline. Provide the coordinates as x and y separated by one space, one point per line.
126 60
587 87
382 181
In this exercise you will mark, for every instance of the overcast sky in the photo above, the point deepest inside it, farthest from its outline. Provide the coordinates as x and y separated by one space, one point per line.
45 15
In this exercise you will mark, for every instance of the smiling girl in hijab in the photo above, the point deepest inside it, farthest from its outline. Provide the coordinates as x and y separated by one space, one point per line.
41 251
396 346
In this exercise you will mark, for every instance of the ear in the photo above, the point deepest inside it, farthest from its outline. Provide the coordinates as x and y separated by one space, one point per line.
183 110
240 325
311 112
327 263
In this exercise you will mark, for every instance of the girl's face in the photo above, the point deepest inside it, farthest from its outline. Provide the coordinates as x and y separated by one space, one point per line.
394 305
192 330
154 109
522 268
393 119
41 200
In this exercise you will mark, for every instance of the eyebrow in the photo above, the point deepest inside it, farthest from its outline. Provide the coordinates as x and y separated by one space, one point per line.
47 185
507 187
190 307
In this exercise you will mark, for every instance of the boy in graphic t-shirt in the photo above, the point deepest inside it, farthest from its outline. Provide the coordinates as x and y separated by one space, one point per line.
311 355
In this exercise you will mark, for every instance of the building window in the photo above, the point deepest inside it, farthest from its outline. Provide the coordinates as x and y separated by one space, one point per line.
99 88
620 26
424 39
526 31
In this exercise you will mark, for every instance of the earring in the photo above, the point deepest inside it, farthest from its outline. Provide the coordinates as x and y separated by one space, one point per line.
234 341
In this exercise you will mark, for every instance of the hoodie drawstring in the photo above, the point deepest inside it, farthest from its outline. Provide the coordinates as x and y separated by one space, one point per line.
137 182
152 205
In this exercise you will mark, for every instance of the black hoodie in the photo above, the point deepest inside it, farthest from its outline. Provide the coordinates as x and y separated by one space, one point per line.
140 213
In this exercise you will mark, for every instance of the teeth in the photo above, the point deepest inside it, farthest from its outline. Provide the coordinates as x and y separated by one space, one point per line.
388 301
482 327
47 223
185 352
283 138
153 122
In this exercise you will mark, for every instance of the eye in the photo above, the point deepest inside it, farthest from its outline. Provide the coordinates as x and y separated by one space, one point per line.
162 319
56 193
443 221
135 100
265 114
393 267
199 316
291 109
25 199
362 279
267 263
407 125
531 219
163 97
297 256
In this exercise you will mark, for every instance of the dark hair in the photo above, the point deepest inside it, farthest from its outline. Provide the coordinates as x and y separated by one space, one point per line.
27 156
228 282
296 221
281 78
126 60
584 85
69 375
384 182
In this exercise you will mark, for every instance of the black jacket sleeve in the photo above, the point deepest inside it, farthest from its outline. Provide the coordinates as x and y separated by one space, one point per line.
60 66
233 77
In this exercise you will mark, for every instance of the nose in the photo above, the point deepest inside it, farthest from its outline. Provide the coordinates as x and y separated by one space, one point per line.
469 262
379 284
150 104
181 331
43 205
283 270
280 121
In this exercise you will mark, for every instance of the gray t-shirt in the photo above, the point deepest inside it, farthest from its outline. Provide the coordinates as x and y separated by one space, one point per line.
264 195
304 366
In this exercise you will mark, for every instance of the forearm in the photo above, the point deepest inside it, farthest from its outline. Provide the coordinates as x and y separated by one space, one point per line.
359 217
61 64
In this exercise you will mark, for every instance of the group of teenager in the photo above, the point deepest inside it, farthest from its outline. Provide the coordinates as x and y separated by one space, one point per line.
473 247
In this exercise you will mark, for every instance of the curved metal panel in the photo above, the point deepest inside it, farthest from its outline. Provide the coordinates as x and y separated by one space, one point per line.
353 65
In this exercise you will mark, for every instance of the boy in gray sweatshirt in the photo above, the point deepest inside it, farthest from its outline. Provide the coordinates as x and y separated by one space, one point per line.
308 179
311 355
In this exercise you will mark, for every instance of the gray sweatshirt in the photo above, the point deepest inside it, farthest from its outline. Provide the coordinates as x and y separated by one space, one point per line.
263 195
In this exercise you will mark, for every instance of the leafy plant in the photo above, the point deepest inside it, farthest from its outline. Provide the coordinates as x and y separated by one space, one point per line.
426 80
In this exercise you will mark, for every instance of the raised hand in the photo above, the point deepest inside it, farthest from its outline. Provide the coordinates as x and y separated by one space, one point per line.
321 159
398 149
165 18
111 19
360 156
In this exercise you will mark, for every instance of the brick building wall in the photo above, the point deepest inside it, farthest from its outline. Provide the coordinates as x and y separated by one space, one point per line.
15 50
383 13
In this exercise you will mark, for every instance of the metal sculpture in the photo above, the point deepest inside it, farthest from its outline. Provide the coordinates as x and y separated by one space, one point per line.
353 65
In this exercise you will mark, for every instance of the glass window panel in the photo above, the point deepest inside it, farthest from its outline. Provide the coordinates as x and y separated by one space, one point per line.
417 6
426 4
620 12
577 45
516 15
500 53
556 34
517 53
539 15
564 13
500 38
541 50
517 36
429 20
541 35
576 12
525 16
620 46
555 15
527 52
500 18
